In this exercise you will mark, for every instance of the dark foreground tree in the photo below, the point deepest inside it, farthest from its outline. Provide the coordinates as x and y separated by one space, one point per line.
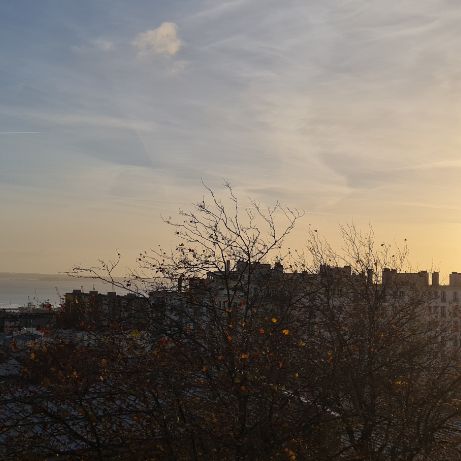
393 383
233 358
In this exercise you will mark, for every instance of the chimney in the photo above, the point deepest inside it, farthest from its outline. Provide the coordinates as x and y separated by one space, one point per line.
278 268
435 279
386 277
370 276
455 279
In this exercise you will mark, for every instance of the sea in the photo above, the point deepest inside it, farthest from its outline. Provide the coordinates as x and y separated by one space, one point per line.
20 289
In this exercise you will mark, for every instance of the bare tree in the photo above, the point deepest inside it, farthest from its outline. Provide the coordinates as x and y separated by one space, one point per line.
391 388
231 357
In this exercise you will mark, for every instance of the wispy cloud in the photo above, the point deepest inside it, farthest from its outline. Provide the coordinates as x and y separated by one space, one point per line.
96 45
163 40
19 132
81 119
103 44
98 121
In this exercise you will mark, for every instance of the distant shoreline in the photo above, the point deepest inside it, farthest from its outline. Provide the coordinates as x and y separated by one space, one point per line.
21 274
21 288
52 276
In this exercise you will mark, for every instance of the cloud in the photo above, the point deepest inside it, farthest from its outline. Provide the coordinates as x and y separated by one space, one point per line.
83 120
163 40
99 44
103 45
19 132
97 121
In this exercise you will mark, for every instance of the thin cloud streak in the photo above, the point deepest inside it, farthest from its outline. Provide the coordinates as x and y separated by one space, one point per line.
92 119
19 132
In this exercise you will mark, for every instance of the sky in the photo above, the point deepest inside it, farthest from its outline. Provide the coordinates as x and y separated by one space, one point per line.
113 112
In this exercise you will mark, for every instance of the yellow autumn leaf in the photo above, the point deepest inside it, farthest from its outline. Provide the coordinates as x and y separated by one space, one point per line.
285 332
274 320
291 454
135 333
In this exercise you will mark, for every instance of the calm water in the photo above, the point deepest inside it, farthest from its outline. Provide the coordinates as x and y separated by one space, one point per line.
18 289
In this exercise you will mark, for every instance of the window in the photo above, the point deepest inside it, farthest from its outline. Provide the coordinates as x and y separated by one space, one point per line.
443 311
443 296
